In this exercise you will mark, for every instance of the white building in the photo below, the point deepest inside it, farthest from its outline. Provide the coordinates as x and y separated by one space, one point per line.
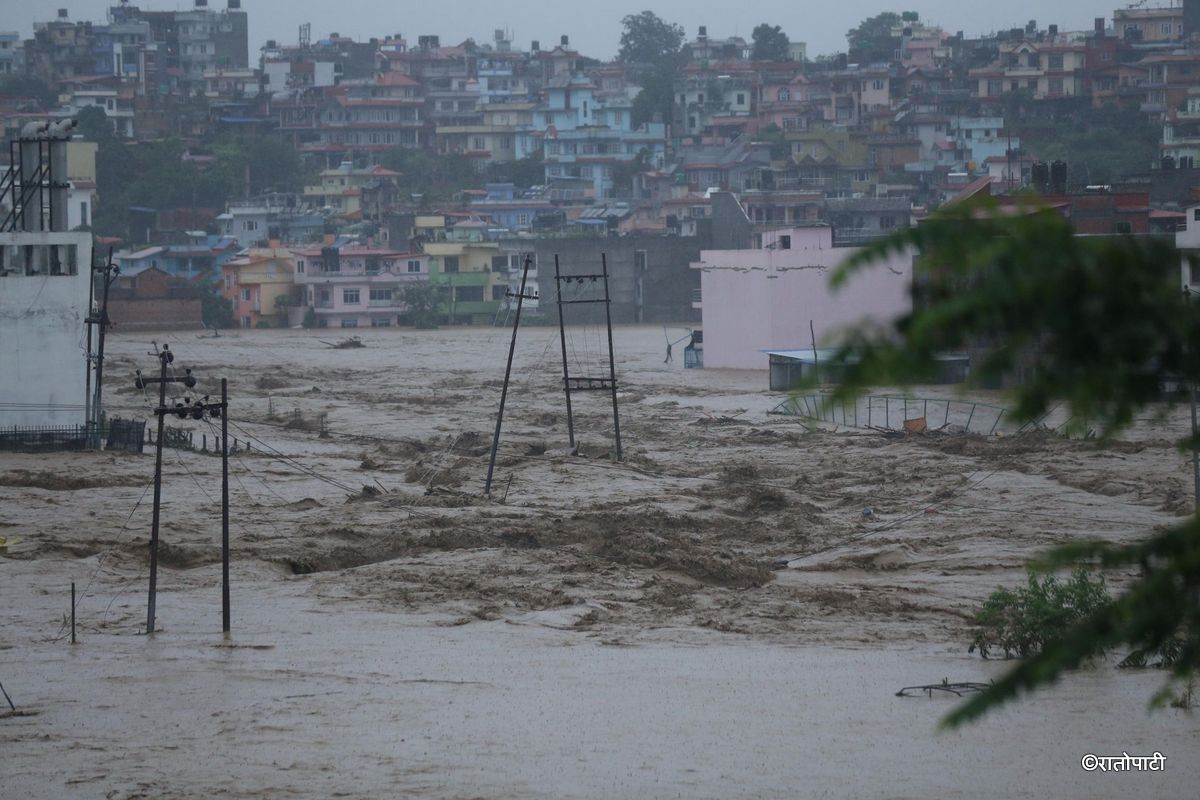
43 305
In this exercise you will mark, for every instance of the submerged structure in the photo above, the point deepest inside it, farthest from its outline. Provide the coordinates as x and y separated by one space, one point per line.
45 274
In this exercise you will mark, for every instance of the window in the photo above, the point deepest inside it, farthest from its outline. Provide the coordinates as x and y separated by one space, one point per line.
522 219
1123 227
450 264
1055 61
323 297
548 119
350 297
300 266
414 265
639 260
381 322
250 225
1056 86
247 295
785 95
349 323
381 295
887 222
877 85
785 242
741 98
83 212
469 294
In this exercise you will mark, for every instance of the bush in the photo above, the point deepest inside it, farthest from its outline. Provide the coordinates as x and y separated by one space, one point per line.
262 323
1019 622
310 318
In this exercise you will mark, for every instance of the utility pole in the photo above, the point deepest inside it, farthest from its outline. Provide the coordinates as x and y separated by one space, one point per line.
165 357
109 271
562 336
224 506
521 297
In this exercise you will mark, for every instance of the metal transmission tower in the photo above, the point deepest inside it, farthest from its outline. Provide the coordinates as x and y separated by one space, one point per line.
587 383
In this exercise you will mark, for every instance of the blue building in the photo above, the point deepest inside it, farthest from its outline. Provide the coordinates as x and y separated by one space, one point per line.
584 133
203 255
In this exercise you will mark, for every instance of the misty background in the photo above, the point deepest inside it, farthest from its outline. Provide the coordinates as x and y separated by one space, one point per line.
594 30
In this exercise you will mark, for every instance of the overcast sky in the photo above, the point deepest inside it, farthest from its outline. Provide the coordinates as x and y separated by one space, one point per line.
595 29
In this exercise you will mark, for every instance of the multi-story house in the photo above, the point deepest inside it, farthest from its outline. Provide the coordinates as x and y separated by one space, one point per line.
584 138
117 105
1169 77
254 284
504 208
1180 146
1048 70
494 141
367 117
341 189
201 258
12 53
1156 24
705 92
473 268
349 285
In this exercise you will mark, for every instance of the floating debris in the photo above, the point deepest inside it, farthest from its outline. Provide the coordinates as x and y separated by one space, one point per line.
959 689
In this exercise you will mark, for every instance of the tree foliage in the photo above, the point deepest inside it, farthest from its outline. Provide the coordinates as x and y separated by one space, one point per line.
435 177
1019 622
155 175
1099 145
872 40
656 97
649 39
1100 324
770 43
423 303
29 86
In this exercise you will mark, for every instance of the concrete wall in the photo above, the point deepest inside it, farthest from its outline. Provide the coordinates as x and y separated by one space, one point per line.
41 329
159 314
763 299
660 293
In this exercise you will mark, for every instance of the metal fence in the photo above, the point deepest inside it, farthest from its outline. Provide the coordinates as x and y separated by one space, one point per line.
891 412
44 439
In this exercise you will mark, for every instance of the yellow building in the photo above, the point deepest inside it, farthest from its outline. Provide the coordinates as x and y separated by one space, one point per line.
341 189
473 270
254 282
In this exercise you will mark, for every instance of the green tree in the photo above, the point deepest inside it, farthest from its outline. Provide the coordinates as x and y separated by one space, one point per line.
215 310
770 43
524 172
29 86
656 97
1099 324
423 302
649 39
872 40
437 177
94 125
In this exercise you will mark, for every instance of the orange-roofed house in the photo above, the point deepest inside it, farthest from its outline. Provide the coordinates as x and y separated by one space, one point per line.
254 282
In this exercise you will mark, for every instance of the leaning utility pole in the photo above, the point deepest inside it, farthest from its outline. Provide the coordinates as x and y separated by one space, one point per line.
521 297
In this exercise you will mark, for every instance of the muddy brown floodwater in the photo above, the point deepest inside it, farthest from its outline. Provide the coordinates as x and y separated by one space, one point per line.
596 630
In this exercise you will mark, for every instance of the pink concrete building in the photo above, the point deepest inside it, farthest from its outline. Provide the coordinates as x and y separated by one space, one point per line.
763 299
